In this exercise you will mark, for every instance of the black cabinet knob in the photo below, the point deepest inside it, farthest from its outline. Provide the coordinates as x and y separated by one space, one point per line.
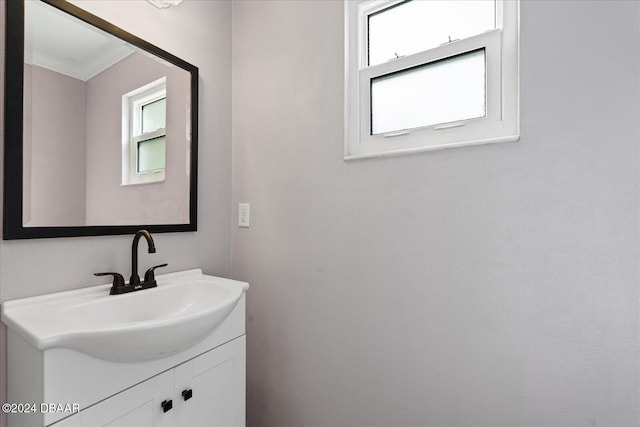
166 405
187 394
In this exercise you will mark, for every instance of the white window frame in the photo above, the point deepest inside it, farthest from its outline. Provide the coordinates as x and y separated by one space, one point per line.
501 123
132 104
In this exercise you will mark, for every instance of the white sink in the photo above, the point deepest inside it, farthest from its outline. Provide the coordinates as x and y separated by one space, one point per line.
134 327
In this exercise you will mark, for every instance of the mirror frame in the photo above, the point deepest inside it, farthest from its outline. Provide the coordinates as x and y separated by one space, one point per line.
13 127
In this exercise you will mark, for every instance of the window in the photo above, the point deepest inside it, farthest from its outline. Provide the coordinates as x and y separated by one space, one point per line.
144 112
426 74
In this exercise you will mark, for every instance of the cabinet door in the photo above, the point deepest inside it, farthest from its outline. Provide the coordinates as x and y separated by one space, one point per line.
138 406
216 380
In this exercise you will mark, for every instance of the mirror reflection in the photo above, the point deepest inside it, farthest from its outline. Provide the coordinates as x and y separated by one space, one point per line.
107 128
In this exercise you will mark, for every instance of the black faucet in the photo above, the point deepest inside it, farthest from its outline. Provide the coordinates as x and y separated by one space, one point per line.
135 279
119 286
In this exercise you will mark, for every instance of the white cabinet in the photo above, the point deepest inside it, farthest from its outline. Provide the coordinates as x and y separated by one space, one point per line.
216 381
206 391
135 407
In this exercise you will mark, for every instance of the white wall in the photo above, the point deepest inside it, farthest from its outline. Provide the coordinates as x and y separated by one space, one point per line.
199 32
483 286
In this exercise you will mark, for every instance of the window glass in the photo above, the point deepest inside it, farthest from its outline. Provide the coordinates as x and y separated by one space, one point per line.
151 154
438 92
415 25
154 115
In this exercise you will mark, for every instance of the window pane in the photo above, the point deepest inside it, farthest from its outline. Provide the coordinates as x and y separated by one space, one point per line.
418 25
439 92
151 154
154 115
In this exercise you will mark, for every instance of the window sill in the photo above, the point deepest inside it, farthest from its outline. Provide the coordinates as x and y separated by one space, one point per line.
408 151
157 177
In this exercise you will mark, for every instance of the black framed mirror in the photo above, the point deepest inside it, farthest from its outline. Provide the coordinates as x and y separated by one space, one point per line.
100 128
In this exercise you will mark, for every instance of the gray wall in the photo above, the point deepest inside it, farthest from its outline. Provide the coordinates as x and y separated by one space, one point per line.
54 148
483 286
199 32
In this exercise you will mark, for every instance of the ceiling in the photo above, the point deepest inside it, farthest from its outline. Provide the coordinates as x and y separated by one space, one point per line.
66 45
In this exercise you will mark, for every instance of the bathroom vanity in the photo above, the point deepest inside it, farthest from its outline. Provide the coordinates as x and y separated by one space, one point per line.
168 356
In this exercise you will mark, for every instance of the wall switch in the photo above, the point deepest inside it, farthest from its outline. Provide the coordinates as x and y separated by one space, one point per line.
244 215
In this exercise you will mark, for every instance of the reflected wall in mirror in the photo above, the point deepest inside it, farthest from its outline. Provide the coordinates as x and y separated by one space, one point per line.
102 139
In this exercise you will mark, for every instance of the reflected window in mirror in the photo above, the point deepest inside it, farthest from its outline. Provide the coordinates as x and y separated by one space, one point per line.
144 129
151 144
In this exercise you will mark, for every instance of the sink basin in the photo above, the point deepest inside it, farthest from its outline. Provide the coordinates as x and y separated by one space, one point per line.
134 327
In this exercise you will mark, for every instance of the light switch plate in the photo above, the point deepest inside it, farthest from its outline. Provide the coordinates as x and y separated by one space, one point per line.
244 215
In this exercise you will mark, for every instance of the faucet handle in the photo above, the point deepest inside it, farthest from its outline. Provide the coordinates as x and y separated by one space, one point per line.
149 275
118 280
